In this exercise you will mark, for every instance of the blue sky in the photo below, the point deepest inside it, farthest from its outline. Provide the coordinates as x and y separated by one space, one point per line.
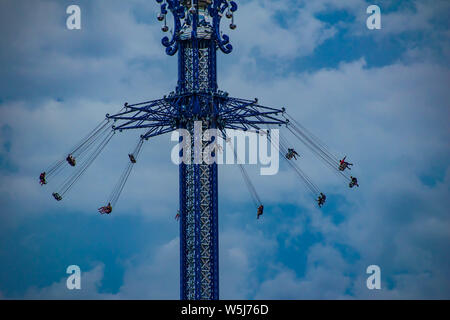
379 96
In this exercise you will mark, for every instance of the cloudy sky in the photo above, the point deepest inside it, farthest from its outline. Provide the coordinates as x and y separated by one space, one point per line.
379 96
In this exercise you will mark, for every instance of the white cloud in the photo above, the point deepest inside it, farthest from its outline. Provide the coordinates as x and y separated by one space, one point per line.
324 278
241 254
259 29
153 275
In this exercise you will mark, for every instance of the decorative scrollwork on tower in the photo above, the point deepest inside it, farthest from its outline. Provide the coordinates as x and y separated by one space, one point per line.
199 19
217 11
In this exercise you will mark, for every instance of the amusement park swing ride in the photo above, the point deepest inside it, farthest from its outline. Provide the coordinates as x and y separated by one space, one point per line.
197 38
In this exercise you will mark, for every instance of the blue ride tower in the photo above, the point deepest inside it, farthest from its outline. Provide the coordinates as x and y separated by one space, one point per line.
196 36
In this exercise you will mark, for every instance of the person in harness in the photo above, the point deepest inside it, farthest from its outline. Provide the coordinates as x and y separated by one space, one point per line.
321 200
292 154
260 211
71 160
344 164
107 209
353 183
132 158
57 196
177 217
42 180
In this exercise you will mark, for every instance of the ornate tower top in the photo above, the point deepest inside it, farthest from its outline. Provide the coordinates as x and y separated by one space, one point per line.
196 20
201 3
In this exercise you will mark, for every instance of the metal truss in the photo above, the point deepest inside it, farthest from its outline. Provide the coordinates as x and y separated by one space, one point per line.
197 37
175 111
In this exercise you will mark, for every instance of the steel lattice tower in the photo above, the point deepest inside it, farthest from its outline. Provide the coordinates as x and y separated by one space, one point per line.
196 37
